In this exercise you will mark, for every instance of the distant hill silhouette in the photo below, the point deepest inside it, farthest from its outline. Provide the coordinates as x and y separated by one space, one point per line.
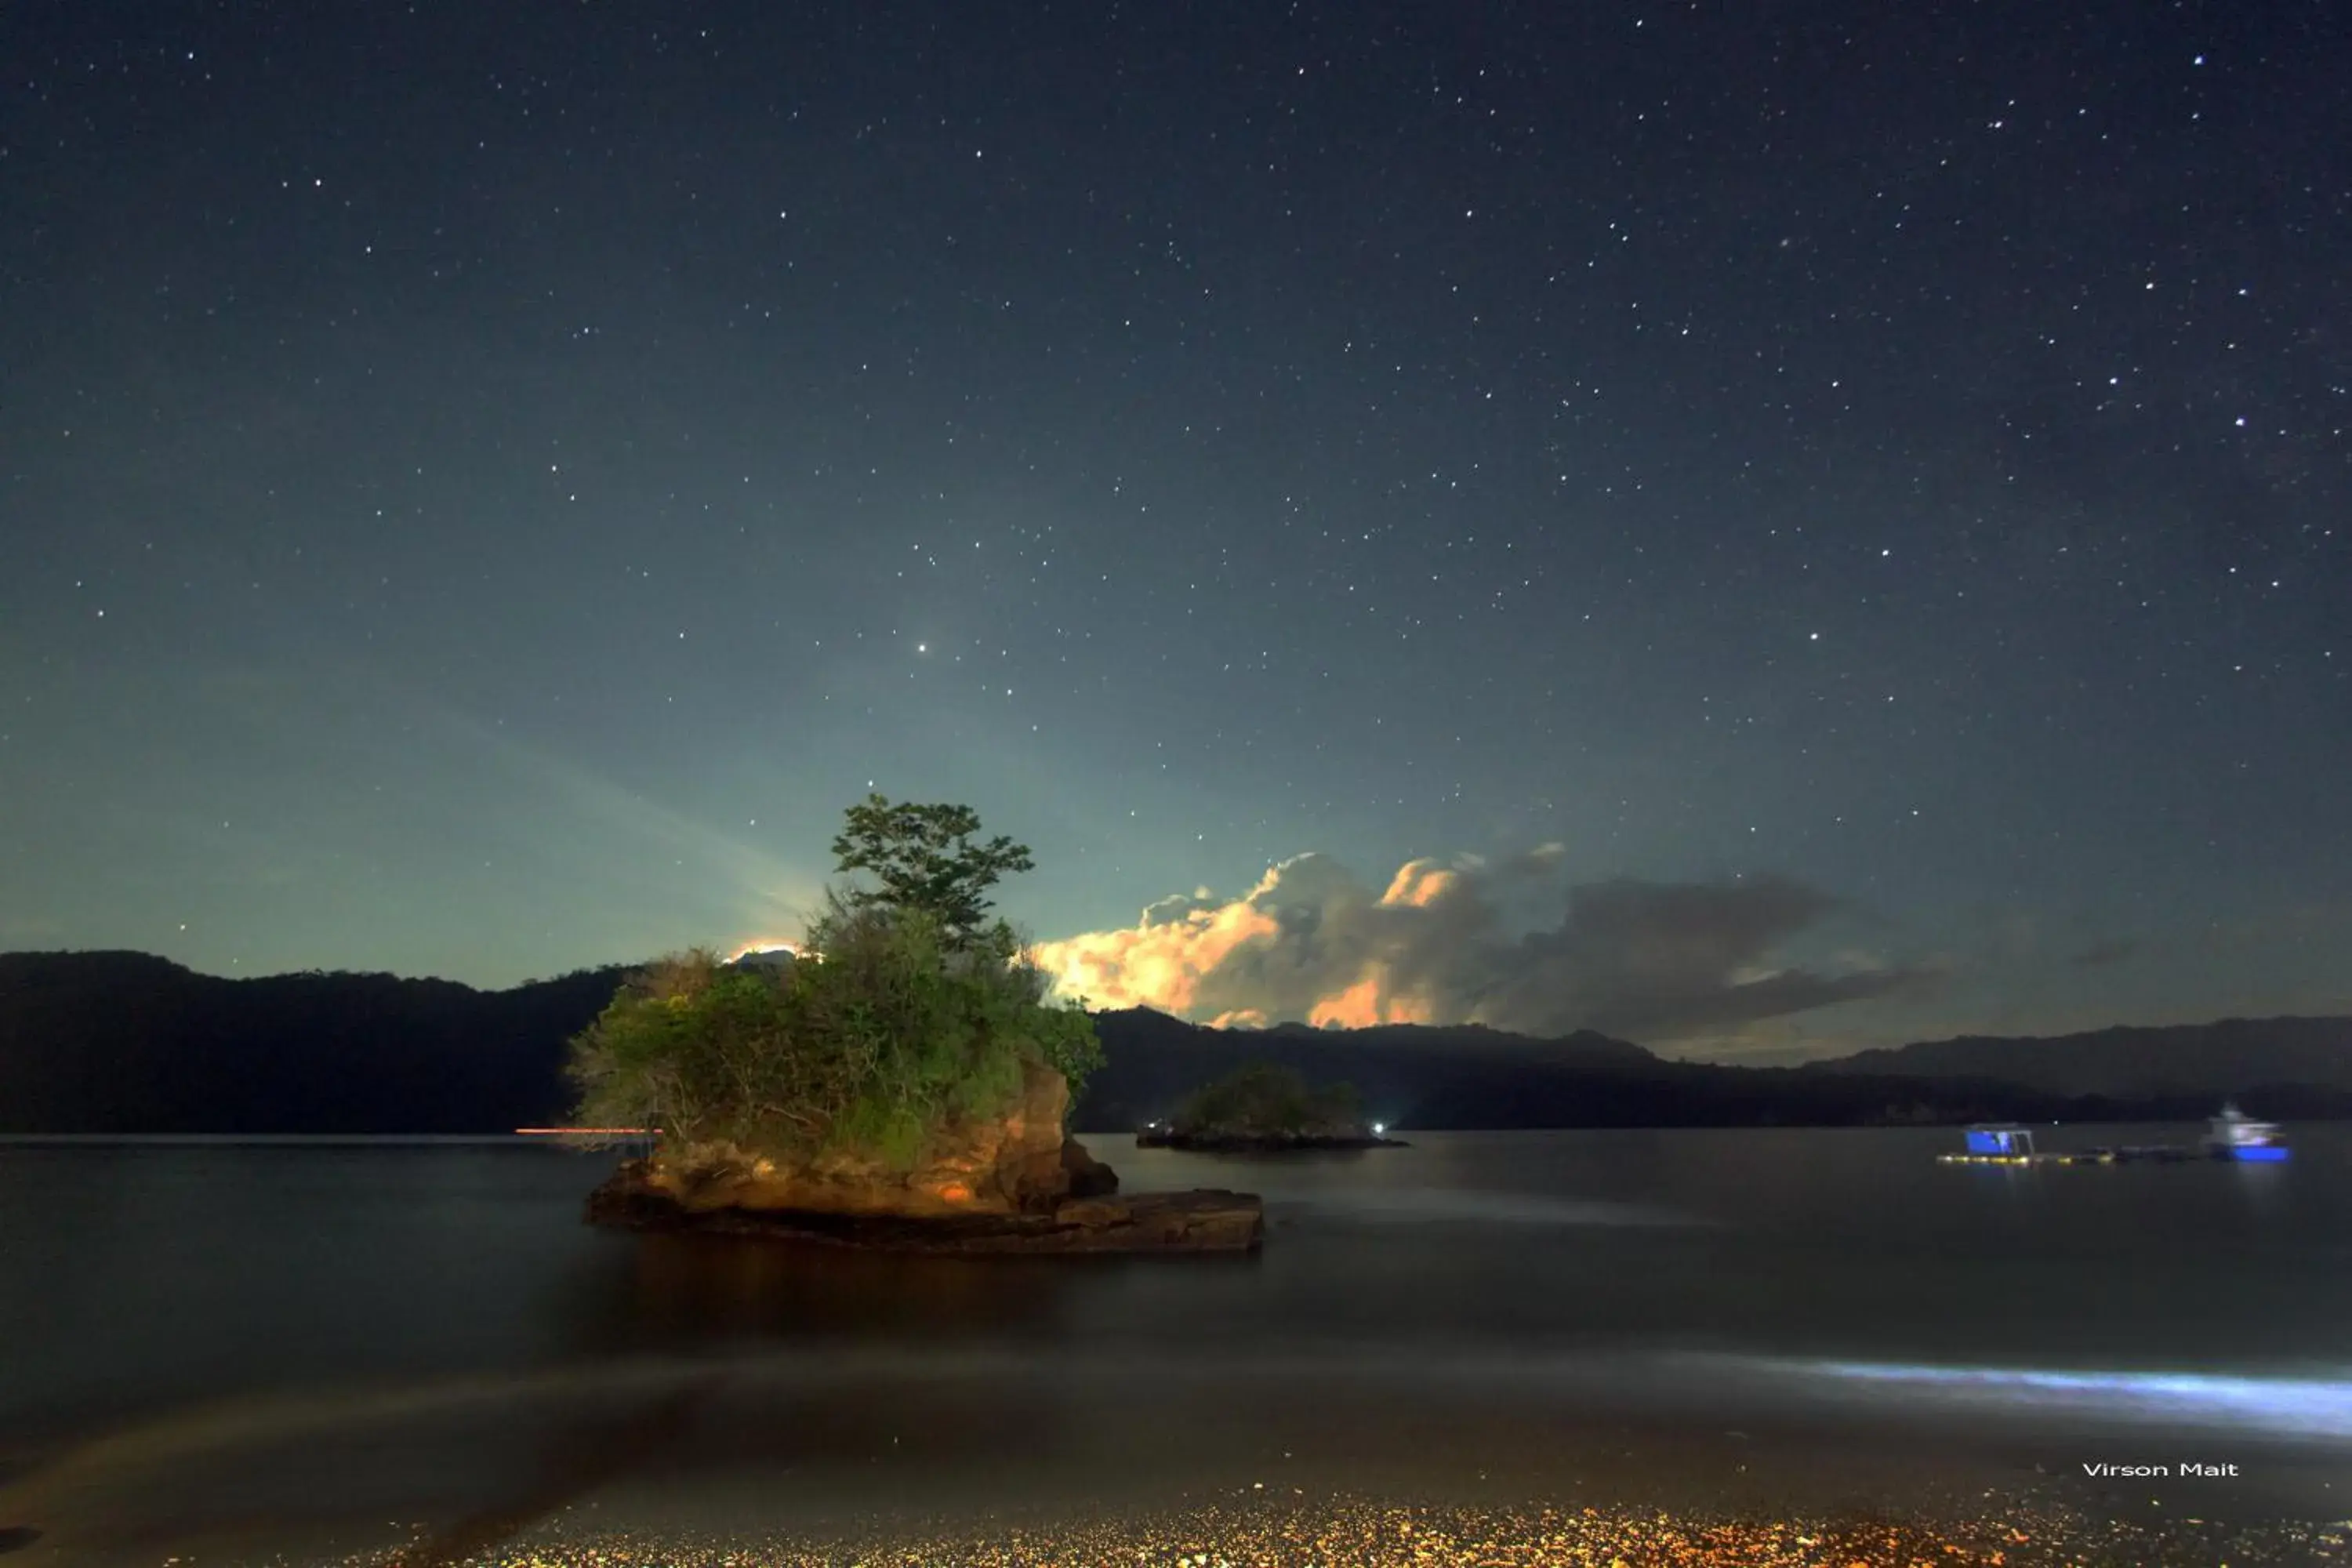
128 1043
1473 1076
124 1042
1412 1075
2234 1055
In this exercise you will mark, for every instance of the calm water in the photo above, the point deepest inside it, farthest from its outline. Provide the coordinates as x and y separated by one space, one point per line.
236 1344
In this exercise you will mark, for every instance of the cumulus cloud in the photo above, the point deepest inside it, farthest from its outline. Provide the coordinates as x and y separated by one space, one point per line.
1311 943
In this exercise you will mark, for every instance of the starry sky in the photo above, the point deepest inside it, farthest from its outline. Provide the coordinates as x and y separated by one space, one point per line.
1765 532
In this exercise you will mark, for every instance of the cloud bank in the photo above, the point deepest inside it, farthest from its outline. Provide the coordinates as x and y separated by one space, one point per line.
1647 961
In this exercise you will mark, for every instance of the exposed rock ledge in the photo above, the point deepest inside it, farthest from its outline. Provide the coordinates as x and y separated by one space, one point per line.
638 1197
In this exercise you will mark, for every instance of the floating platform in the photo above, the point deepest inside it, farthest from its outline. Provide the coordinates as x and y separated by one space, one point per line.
2145 1154
2234 1136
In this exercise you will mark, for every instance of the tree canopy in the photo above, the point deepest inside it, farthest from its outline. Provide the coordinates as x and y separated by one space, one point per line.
1269 1099
915 1015
925 860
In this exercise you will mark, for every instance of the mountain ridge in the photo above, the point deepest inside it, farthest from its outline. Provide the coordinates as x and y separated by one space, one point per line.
126 1042
2123 1057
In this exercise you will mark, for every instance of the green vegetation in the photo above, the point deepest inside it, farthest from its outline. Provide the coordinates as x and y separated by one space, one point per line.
924 858
1265 1099
905 1013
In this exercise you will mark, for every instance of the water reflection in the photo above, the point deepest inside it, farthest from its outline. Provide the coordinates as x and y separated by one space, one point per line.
725 1286
627 1294
2264 1187
373 1327
1432 1204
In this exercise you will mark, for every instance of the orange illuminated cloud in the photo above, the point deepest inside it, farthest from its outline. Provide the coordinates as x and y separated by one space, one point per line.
1311 943
1156 964
1420 883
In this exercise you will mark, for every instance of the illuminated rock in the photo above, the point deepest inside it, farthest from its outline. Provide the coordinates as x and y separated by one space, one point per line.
1013 1182
1195 1222
1020 1162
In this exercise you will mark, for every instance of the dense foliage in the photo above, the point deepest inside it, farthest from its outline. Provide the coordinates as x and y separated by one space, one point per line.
1266 1098
906 1013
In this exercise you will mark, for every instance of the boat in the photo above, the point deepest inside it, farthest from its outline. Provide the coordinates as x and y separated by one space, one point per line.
2234 1135
1989 1141
2006 1143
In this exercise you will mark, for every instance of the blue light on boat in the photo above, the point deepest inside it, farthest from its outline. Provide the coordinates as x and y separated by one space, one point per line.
2268 1153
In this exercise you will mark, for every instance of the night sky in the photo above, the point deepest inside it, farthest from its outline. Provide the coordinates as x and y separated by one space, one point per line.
1763 533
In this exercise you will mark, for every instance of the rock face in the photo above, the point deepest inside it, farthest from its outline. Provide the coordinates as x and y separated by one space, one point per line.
1202 1222
1089 1177
1019 1162
1010 1183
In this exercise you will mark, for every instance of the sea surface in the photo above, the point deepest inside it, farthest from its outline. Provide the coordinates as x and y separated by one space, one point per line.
303 1350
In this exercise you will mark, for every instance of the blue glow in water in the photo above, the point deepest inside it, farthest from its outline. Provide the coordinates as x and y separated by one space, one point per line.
2306 1408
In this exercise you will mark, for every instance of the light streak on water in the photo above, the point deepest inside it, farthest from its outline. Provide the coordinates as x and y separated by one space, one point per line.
2306 1407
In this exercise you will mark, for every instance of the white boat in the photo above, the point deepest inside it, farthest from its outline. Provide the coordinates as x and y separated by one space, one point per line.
2234 1135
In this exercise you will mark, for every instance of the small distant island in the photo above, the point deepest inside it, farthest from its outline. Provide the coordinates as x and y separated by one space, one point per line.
1265 1108
900 1082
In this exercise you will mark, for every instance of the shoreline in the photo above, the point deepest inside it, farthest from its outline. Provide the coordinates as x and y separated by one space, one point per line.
1254 1527
686 1464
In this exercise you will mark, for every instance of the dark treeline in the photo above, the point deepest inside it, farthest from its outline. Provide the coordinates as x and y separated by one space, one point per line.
126 1043
2178 1059
123 1042
1474 1078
